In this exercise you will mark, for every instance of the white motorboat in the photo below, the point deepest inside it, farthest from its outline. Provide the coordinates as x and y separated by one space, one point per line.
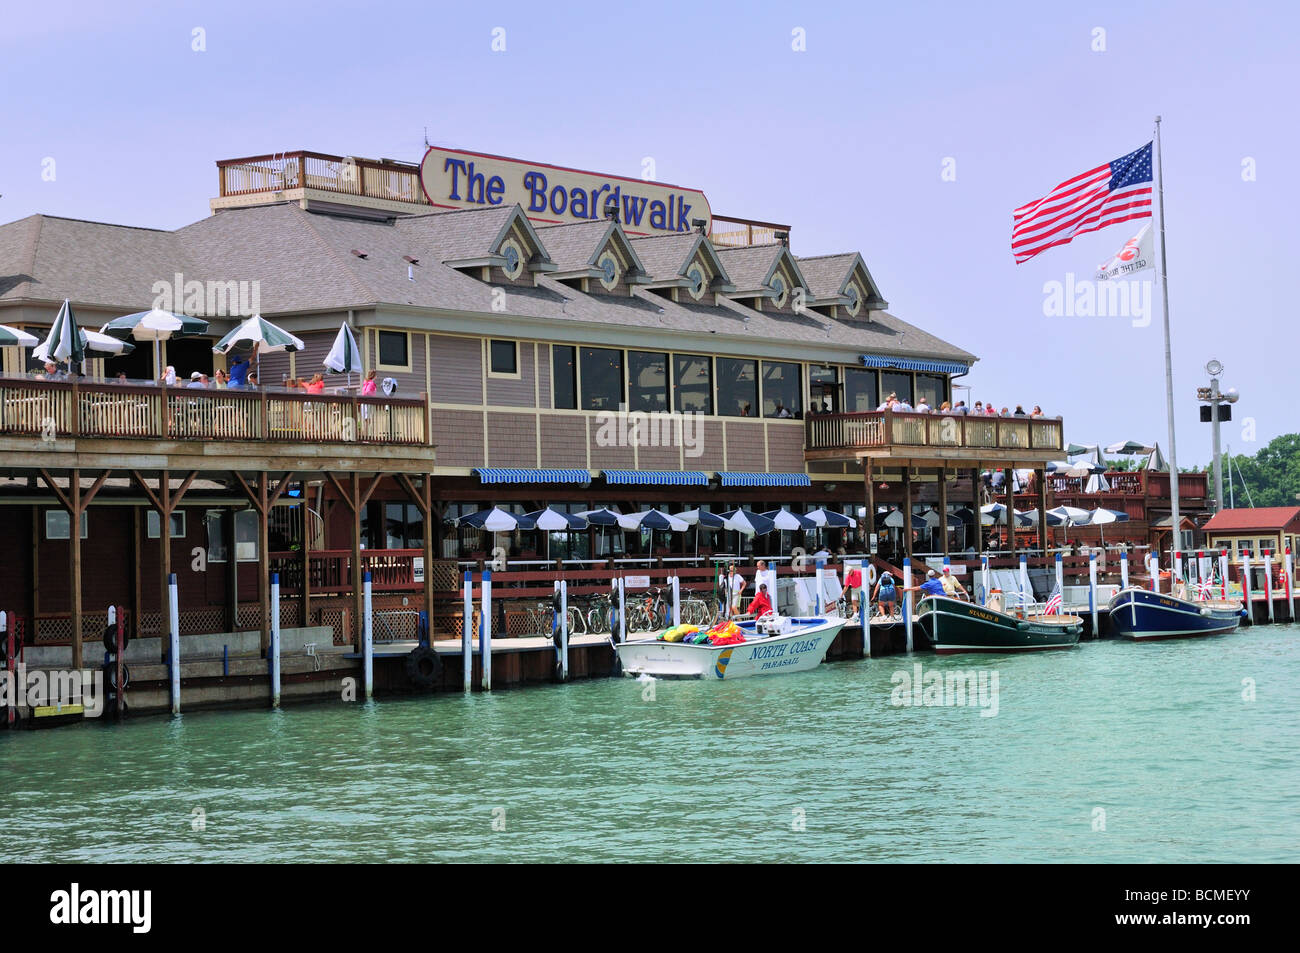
772 646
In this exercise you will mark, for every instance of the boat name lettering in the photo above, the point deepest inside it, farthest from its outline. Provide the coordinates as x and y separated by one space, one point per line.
986 616
767 651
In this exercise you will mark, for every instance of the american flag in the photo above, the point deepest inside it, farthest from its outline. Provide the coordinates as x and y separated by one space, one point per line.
1204 590
1115 192
1053 601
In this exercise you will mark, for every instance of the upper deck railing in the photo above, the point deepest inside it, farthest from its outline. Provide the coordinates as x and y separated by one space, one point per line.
741 232
52 409
1151 484
282 171
828 434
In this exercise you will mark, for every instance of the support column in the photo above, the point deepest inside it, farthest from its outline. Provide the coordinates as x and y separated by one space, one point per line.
232 572
355 500
422 497
137 555
943 507
907 511
263 499
975 505
306 557
75 504
1040 477
871 505
1009 476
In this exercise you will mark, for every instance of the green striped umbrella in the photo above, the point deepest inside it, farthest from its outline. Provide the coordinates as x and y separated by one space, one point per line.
344 356
65 342
156 326
13 337
261 335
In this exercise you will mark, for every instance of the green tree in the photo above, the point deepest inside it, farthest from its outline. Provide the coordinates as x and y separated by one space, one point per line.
1272 475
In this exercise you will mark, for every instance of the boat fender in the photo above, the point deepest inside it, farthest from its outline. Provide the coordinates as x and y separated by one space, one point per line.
110 676
423 667
870 575
110 637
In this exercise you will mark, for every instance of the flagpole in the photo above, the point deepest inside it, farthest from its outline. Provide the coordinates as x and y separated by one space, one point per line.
1162 275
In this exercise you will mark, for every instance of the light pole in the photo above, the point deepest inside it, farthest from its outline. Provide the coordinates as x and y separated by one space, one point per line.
1215 398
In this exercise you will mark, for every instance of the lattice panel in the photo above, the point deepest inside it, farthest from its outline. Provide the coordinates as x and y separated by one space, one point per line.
336 618
446 575
453 625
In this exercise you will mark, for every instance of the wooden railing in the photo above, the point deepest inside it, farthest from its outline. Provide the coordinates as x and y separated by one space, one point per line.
1143 483
741 232
51 409
331 569
282 171
887 428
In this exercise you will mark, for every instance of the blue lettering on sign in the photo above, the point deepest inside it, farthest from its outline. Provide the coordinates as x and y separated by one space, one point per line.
632 212
658 215
535 183
495 186
683 223
456 166
559 200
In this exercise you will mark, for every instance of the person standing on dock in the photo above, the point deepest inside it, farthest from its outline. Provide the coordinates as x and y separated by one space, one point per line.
737 584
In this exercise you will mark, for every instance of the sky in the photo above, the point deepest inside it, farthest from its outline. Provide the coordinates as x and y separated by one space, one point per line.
908 132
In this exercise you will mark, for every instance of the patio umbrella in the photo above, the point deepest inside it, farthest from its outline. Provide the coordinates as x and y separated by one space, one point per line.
1101 516
931 519
789 522
553 521
1128 448
700 519
156 326
997 513
748 522
344 358
260 335
892 519
652 520
495 520
89 341
13 337
65 342
824 517
1156 460
601 517
1067 514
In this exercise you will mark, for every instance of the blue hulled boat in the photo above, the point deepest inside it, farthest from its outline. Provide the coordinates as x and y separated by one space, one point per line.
1144 616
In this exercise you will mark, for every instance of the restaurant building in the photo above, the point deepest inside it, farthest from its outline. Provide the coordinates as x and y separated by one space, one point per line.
543 336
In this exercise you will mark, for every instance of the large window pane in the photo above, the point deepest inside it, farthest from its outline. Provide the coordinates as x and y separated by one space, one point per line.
393 348
824 387
692 384
647 381
898 383
860 390
932 388
781 390
737 387
564 376
602 378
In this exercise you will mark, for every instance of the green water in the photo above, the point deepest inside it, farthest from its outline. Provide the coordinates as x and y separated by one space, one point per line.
1158 737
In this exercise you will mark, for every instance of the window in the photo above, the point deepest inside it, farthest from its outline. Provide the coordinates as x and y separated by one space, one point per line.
514 258
245 535
57 523
692 384
860 393
177 522
647 381
737 387
781 390
564 377
932 388
403 526
395 350
824 386
609 271
898 383
504 357
602 378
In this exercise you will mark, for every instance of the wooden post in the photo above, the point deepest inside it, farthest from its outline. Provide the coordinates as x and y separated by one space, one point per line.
356 501
423 500
306 557
232 572
36 571
975 505
943 507
1009 474
264 560
871 506
137 554
907 511
1040 477
74 575
164 550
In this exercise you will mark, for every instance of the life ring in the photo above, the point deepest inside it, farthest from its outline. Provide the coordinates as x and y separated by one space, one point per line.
870 575
423 667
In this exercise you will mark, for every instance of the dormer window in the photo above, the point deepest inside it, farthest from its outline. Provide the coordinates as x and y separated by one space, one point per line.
855 300
698 281
782 292
514 258
608 271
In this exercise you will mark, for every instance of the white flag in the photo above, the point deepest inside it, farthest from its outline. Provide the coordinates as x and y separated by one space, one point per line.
1134 256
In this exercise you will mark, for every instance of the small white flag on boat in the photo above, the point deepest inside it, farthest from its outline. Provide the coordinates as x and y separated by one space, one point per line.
1136 255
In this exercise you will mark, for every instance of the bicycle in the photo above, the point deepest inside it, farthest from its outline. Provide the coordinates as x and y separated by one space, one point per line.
601 616
698 610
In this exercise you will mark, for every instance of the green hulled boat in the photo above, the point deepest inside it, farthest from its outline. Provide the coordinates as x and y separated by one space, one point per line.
954 626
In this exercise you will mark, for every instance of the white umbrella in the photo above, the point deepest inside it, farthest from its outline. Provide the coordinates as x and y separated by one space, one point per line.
789 522
1071 514
154 325
15 337
700 519
64 342
89 341
344 356
651 520
931 519
1101 516
262 336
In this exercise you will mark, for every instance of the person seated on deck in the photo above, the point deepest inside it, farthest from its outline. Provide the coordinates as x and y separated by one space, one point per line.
198 380
316 385
1019 412
1037 412
888 402
886 594
760 604
923 407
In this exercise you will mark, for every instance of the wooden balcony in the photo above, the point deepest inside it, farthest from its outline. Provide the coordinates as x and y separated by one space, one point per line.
1145 484
933 438
53 417
317 175
741 232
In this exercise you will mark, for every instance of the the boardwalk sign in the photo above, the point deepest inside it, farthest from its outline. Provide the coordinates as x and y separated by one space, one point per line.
552 194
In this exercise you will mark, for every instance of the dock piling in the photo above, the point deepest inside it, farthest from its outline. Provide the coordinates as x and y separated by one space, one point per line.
622 610
817 600
1290 601
174 642
367 638
864 619
1123 569
1025 589
1268 583
275 640
677 600
1060 575
1245 586
1223 574
984 578
485 631
1177 576
564 630
1092 594
467 634
907 599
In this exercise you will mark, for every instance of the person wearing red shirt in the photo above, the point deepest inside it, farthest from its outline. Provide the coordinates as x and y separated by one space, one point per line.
760 604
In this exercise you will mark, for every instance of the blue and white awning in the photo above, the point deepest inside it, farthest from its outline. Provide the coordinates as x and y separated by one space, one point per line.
499 475
913 364
764 479
656 477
